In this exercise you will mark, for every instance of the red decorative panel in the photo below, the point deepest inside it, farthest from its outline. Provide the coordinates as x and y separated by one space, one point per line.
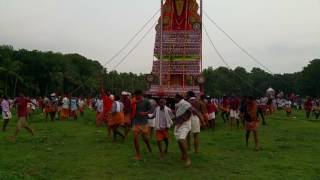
177 67
178 44
156 90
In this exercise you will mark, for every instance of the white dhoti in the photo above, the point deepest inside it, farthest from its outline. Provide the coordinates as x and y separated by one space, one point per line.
181 131
195 124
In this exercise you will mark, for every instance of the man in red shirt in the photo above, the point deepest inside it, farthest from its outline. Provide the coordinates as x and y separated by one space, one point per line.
22 113
107 106
308 107
212 109
234 111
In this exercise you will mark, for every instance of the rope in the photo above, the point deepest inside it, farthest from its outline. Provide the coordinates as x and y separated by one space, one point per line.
75 90
237 44
226 63
134 47
130 41
216 49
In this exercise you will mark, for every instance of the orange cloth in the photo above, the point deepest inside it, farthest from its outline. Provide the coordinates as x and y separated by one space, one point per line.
99 118
133 107
127 119
252 126
73 113
46 109
117 119
65 113
206 117
106 117
162 134
143 129
288 109
107 106
50 108
252 109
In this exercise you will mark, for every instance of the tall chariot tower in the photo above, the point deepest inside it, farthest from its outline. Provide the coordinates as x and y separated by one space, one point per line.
178 49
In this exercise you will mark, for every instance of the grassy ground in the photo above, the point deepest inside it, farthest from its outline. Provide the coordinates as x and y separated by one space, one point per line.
78 150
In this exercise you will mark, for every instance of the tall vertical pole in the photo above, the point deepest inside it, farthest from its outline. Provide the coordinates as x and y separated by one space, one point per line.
161 42
201 15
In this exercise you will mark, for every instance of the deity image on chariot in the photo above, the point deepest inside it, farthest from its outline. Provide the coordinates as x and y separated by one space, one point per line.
178 49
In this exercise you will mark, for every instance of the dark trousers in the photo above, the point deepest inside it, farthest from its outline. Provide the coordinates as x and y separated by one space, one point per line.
308 114
261 114
225 116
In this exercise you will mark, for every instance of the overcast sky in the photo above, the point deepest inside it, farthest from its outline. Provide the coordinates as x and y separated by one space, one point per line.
283 34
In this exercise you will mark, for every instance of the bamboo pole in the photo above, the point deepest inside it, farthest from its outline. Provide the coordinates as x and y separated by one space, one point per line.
161 43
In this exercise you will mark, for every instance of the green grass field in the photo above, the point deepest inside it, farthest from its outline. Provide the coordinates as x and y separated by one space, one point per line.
79 150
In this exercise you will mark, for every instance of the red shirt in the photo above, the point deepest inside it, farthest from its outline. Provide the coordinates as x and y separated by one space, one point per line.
211 108
308 105
107 104
225 103
41 104
234 104
127 104
22 104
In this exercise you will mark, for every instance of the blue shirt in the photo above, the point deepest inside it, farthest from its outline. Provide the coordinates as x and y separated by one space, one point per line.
73 104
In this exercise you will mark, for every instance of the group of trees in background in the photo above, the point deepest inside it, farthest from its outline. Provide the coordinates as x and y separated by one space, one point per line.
39 73
224 81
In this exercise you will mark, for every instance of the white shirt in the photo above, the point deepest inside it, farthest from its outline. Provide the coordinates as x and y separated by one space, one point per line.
99 105
65 103
288 104
80 103
33 106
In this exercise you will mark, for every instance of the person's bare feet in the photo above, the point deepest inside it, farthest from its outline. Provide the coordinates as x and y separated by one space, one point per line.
188 163
257 149
12 139
161 156
137 158
183 158
126 137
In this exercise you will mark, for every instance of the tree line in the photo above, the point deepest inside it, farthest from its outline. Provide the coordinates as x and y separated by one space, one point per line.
37 73
224 81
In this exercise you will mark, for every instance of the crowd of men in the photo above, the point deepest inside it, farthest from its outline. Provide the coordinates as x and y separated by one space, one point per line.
147 117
